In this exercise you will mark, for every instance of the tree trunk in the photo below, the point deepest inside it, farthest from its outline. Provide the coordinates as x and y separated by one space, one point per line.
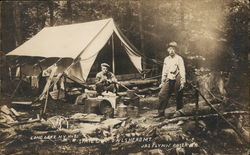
141 32
7 26
1 31
182 14
51 12
69 13
140 25
40 17
17 21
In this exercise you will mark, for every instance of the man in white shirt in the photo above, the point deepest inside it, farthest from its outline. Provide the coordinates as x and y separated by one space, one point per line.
173 79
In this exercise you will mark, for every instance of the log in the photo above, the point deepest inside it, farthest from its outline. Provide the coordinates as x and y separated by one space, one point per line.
221 115
89 118
138 82
6 119
86 120
190 109
25 122
14 112
187 118
133 83
21 103
150 89
5 110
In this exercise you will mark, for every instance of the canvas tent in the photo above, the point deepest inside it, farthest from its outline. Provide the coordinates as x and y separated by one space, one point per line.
75 47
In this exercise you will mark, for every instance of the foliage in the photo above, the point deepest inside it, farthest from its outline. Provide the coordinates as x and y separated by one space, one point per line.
210 33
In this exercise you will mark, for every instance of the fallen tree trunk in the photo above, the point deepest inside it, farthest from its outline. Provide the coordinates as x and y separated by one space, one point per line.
190 110
244 139
138 82
187 118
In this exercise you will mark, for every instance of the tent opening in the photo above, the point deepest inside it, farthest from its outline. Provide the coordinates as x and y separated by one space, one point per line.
122 63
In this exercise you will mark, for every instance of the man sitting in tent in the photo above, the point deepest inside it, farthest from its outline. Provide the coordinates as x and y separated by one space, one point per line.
105 80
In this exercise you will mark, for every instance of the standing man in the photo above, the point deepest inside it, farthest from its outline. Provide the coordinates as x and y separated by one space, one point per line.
105 80
173 79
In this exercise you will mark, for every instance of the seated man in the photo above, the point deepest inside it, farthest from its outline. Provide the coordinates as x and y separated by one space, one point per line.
105 80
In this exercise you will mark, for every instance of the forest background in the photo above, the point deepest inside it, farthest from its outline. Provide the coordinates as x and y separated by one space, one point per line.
212 34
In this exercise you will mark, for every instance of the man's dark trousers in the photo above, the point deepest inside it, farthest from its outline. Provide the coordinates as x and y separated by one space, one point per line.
101 87
169 87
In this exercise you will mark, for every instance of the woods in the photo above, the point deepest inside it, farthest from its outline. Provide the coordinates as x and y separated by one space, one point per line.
212 38
211 35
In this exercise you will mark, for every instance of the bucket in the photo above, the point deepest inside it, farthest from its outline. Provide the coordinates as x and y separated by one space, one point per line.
91 105
104 106
133 111
122 111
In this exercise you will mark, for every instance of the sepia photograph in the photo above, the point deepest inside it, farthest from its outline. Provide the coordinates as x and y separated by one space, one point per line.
127 77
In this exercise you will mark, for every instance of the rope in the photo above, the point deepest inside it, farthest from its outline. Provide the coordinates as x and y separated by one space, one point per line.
39 62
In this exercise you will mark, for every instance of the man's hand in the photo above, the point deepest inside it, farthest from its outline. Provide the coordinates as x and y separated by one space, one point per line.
160 85
182 86
109 81
103 79
119 83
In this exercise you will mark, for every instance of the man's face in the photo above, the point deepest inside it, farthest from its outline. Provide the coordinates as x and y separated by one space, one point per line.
171 51
104 69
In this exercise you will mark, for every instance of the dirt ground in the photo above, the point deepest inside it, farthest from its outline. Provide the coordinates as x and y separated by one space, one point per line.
131 135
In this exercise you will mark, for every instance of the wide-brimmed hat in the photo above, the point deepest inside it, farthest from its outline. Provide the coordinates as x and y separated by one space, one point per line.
172 44
105 65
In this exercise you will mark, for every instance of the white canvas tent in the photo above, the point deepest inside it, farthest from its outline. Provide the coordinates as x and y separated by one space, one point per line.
78 42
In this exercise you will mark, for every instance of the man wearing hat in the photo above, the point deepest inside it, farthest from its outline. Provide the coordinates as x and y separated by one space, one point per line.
105 80
173 79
